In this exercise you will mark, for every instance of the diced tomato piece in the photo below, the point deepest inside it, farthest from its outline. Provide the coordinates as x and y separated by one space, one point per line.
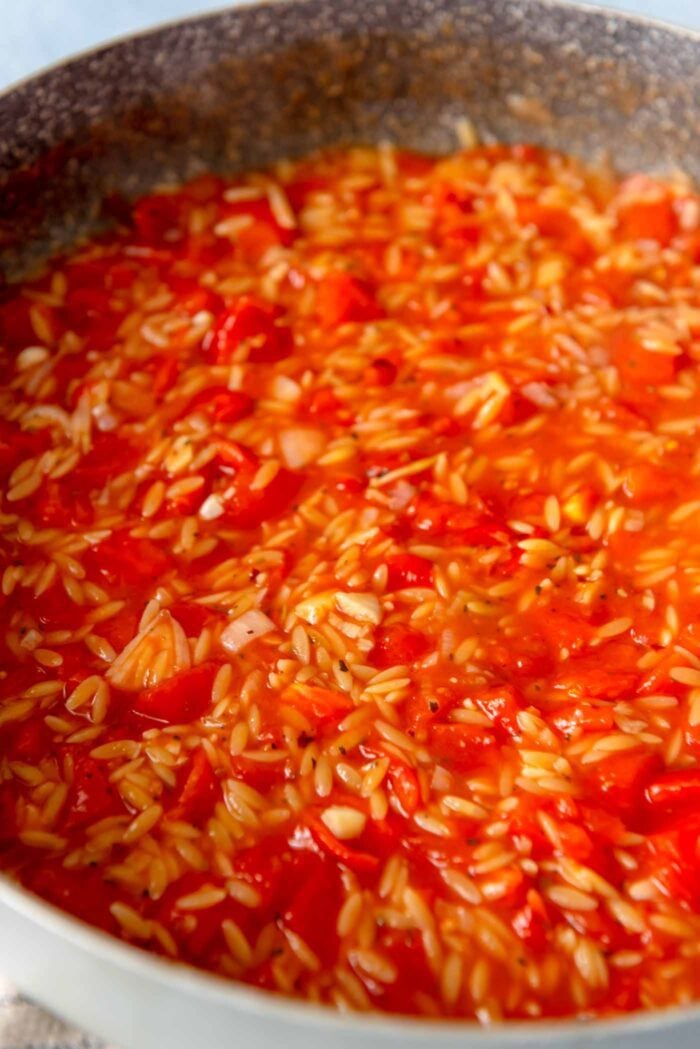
602 824
54 611
55 504
77 664
109 456
319 704
673 790
83 891
405 787
29 742
225 406
105 273
50 507
397 645
674 855
584 717
408 570
266 866
341 298
462 747
124 560
473 527
16 329
92 797
647 219
518 409
197 933
191 296
254 322
530 923
618 782
184 697
501 706
575 841
263 232
85 305
191 616
556 224
199 793
381 372
249 509
120 629
312 911
405 950
237 456
165 374
350 485
611 673
159 219
257 238
445 426
644 483
563 629
323 404
259 775
70 369
637 365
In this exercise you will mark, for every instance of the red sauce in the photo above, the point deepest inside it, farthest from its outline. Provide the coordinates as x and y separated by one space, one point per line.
351 583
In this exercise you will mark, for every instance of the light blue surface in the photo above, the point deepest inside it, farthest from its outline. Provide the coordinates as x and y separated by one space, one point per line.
34 33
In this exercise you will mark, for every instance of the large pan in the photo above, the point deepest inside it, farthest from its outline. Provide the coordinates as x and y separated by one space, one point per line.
238 89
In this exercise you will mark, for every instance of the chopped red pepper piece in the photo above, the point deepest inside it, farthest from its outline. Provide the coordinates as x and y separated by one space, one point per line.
92 795
406 788
406 570
674 790
353 859
199 792
637 365
462 747
255 323
226 406
341 299
320 704
501 706
184 697
397 645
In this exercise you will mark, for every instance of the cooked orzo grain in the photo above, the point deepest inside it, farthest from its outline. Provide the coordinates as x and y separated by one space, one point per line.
352 579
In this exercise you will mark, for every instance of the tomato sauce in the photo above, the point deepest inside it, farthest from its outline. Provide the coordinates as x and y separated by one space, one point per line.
351 580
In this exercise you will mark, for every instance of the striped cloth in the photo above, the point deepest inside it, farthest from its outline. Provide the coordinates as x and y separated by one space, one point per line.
26 1026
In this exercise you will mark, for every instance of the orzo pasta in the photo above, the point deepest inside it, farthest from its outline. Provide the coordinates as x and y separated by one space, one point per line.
351 582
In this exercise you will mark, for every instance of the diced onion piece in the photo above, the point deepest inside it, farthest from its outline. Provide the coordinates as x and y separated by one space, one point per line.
285 389
344 822
300 445
211 508
400 495
30 356
365 608
248 627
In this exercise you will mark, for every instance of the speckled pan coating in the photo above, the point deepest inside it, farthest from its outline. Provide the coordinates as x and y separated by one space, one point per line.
242 87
